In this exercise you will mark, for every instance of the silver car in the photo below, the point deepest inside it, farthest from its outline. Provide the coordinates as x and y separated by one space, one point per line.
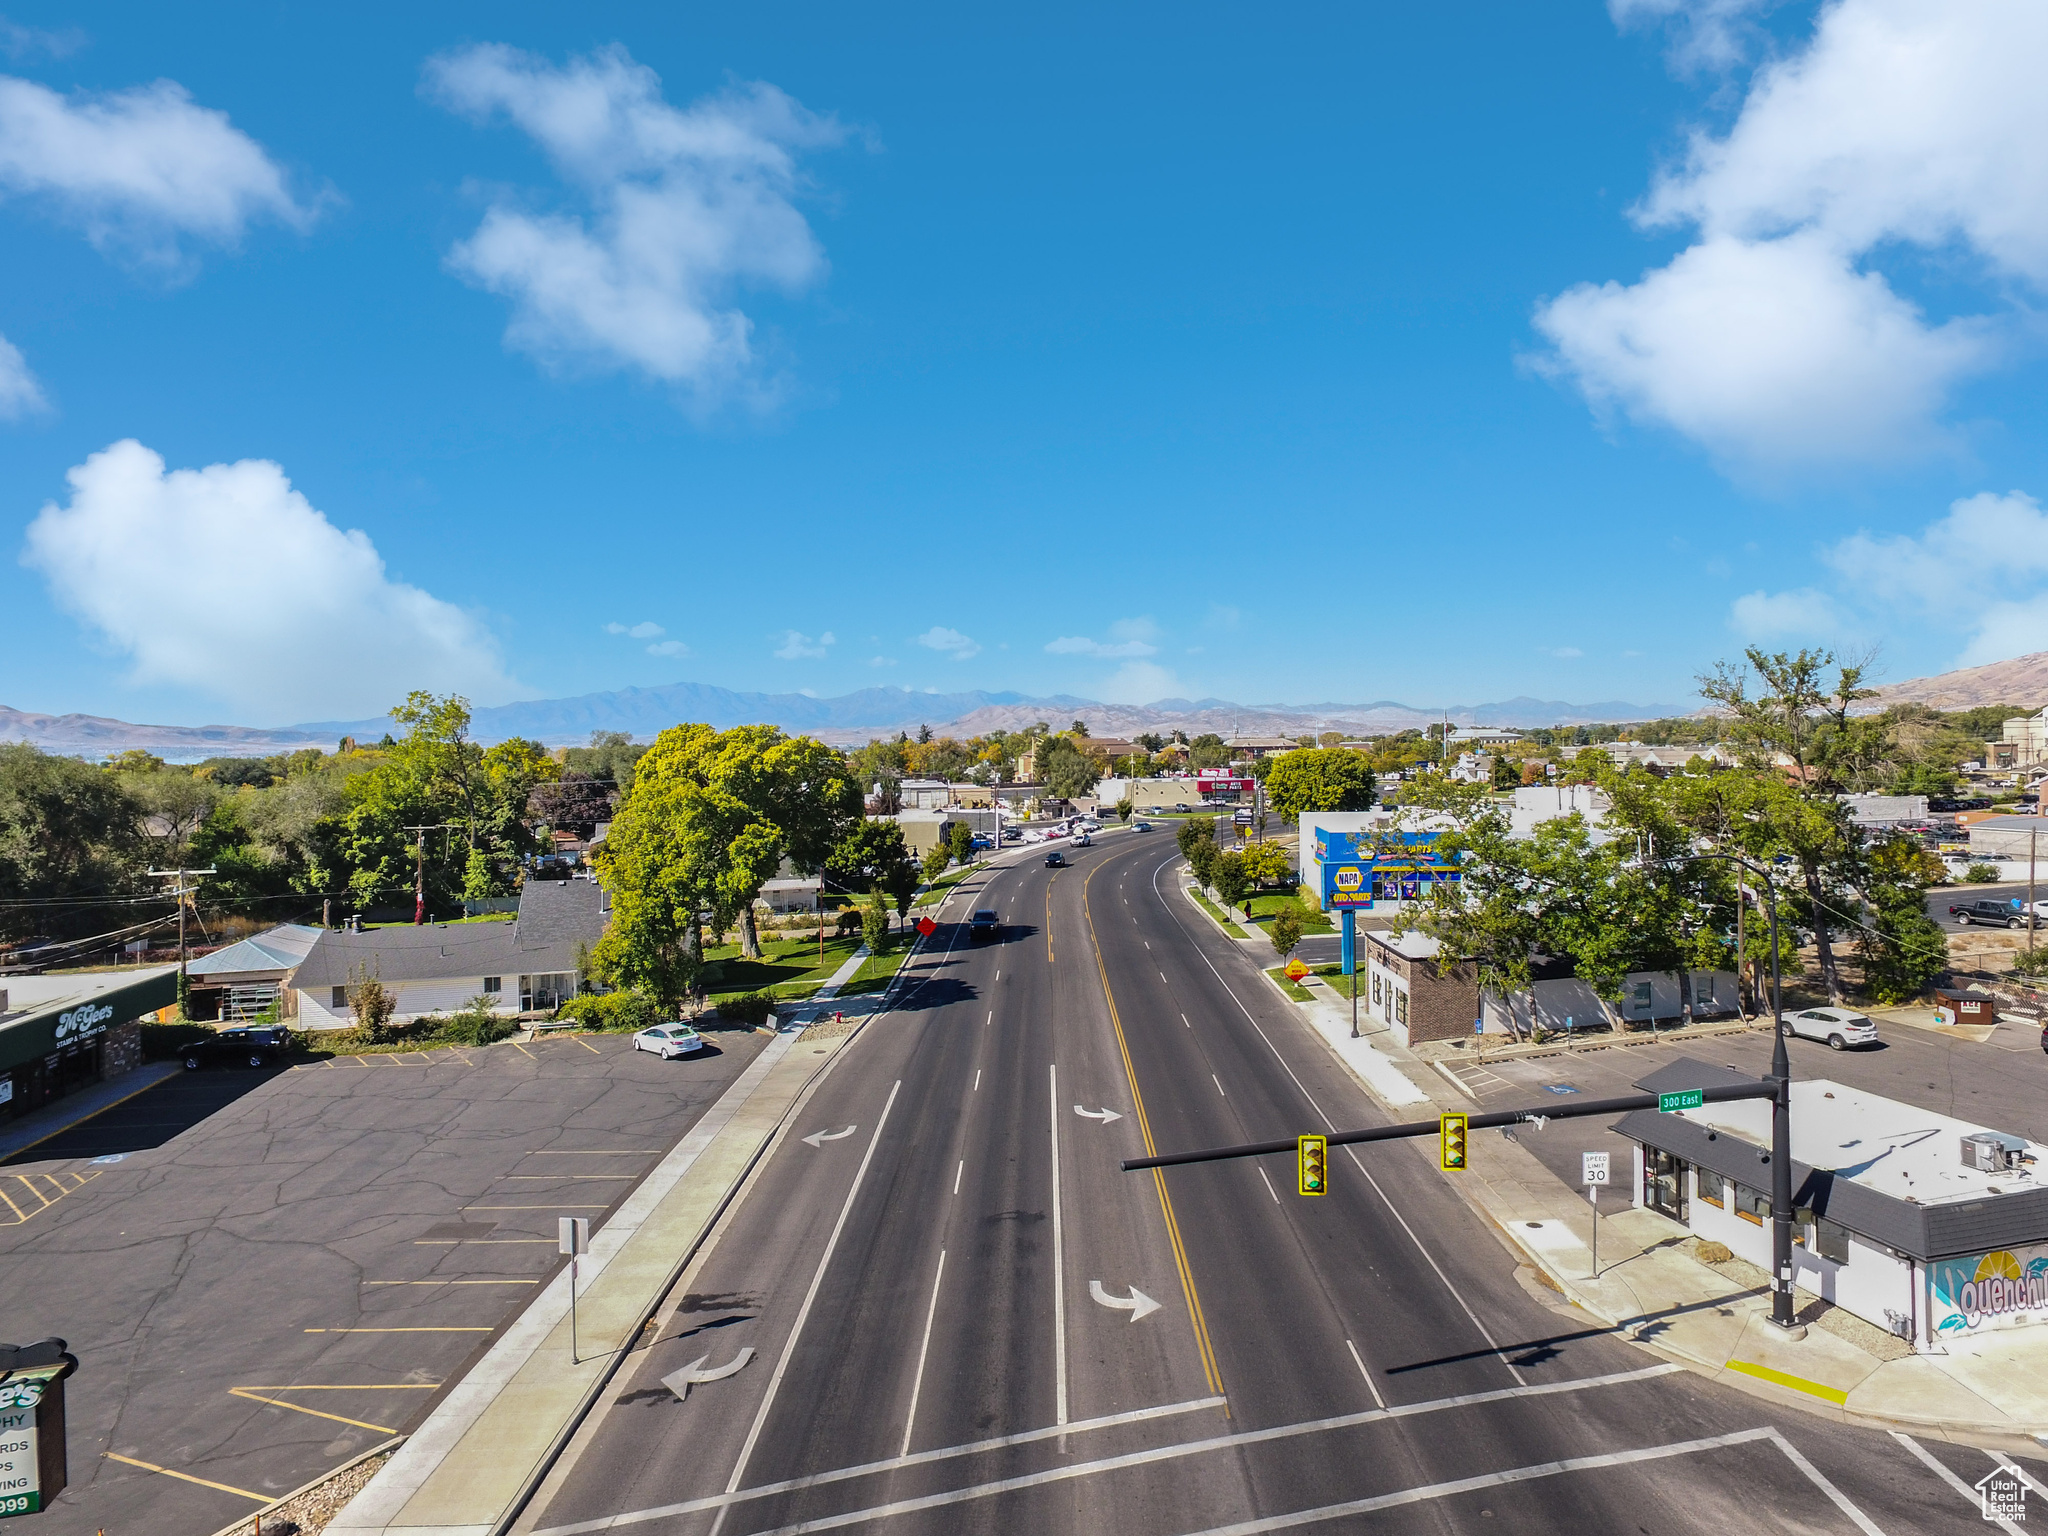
669 1041
1838 1026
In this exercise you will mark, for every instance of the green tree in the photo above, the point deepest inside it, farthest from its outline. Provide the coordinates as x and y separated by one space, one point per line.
871 855
1319 779
1208 751
1231 880
1124 809
69 834
1506 773
874 924
1065 770
1904 950
960 840
935 862
1286 929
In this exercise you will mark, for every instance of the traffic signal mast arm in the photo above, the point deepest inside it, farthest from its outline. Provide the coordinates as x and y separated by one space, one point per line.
1724 1094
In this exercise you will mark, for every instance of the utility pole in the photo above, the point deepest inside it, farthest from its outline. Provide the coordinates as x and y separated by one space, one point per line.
419 888
182 891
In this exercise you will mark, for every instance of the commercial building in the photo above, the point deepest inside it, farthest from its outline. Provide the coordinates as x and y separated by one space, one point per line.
60 1033
1413 992
1877 813
2023 743
526 965
1933 1228
1563 1004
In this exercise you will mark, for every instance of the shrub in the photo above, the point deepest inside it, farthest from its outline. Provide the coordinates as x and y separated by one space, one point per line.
586 1008
1981 873
476 1024
628 1011
371 1003
848 921
874 925
748 1008
1714 1253
163 1042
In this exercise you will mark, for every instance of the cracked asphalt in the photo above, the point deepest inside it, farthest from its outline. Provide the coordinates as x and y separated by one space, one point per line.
265 1274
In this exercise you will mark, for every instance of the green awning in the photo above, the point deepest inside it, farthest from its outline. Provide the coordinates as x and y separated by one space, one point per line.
83 1015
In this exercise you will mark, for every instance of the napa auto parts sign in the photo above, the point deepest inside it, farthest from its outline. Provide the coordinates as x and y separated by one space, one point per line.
1988 1290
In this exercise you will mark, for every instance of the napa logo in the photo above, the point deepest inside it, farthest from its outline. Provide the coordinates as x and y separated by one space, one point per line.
82 1020
1989 1287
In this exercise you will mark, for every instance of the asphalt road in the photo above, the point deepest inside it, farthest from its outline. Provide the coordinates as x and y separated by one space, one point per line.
932 1294
263 1274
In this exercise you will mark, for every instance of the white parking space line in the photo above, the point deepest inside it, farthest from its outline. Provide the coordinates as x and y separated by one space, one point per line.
923 1350
1952 1480
1269 1185
1163 1453
1370 1385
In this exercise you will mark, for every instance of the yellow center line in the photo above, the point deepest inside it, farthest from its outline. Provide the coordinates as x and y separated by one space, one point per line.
1203 1346
185 1477
278 1402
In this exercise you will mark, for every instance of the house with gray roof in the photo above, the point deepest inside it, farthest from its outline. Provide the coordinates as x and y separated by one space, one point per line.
527 965
1931 1227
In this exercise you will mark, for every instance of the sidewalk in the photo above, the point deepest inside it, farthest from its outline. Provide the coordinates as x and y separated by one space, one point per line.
74 1109
1712 1318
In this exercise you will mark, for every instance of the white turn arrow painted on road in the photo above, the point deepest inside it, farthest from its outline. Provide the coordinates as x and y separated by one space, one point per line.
1104 1115
694 1374
819 1138
1138 1304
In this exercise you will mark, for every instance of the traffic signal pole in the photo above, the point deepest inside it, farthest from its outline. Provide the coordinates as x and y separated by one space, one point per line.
1407 1131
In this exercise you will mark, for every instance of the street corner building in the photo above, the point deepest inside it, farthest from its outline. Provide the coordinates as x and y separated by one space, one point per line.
1932 1228
59 1034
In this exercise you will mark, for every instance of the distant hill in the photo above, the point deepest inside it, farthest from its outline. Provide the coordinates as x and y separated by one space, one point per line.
846 720
2021 682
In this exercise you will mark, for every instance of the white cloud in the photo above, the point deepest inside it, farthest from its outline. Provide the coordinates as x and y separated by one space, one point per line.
1776 340
949 642
1567 652
684 206
140 169
1707 34
881 661
19 391
646 629
668 648
1763 617
1139 682
228 581
797 646
1127 637
20 42
1985 563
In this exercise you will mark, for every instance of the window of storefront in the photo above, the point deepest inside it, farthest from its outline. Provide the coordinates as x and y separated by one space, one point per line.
1752 1205
1376 989
1664 1182
1401 1005
1828 1239
1713 1188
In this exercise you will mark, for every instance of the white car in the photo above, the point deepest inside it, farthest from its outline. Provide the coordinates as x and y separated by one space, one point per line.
669 1040
1838 1026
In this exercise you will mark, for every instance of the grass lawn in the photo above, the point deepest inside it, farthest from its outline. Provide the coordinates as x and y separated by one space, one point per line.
1211 908
1267 904
1343 984
1299 993
938 890
788 967
876 972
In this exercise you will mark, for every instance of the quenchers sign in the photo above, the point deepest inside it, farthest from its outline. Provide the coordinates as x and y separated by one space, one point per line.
1989 1290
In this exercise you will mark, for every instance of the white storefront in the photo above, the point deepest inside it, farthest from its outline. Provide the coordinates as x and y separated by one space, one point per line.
1927 1226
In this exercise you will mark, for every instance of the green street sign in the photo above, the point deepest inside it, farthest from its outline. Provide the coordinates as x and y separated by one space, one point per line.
1685 1098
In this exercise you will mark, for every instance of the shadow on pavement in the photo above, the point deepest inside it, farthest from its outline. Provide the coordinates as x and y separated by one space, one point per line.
149 1119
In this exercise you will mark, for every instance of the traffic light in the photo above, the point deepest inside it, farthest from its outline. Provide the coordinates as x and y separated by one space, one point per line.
1311 1163
1450 1143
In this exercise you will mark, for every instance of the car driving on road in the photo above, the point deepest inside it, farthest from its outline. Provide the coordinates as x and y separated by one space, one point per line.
669 1041
258 1047
1839 1027
984 924
1055 860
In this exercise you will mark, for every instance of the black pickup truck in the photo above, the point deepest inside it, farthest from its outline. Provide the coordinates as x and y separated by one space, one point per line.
256 1046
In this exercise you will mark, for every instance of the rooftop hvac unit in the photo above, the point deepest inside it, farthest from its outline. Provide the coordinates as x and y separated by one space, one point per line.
1984 1152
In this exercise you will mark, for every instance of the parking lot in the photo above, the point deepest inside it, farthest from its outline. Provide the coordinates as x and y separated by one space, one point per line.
265 1273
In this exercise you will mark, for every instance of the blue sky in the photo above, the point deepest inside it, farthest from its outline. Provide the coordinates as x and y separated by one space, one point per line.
1368 352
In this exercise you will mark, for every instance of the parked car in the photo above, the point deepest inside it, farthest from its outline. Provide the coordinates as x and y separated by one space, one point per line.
1013 834
981 840
984 924
250 1047
1055 860
1838 1026
669 1040
1996 914
1180 808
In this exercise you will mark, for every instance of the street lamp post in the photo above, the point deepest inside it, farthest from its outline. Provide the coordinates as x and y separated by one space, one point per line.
1780 1076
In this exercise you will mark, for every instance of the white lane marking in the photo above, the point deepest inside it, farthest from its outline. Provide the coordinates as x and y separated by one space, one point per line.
977 1079
1105 1115
1184 1020
694 1374
2025 1477
819 1138
956 1175
923 1349
1269 1185
1498 1479
999 977
1109 1463
1835 1495
1148 943
1162 977
1370 1385
1484 1332
739 1469
991 1013
1138 1304
1951 1479
1059 1273
1219 1084
1136 1415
